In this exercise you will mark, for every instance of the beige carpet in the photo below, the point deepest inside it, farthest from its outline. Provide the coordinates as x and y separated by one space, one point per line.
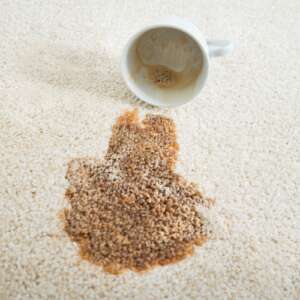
60 92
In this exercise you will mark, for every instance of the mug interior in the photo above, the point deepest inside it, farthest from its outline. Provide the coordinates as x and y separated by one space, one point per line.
165 66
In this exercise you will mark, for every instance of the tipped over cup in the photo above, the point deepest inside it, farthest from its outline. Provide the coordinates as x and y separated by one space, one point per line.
166 64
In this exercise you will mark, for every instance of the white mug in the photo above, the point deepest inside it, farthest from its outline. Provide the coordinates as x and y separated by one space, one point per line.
166 64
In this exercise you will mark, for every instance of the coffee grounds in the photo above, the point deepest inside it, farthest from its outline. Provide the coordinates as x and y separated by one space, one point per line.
130 210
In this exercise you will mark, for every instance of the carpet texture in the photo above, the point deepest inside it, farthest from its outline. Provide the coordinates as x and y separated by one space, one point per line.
61 91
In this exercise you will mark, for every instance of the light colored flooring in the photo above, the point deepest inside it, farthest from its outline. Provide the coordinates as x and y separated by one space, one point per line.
60 92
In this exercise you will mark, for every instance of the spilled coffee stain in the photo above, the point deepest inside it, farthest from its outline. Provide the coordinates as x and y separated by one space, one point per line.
130 210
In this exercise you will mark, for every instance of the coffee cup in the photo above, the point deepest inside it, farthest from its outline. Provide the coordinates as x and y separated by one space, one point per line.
166 64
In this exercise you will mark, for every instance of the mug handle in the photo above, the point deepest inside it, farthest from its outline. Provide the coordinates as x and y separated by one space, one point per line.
219 48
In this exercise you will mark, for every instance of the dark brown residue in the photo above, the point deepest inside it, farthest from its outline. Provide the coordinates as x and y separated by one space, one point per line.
130 210
163 76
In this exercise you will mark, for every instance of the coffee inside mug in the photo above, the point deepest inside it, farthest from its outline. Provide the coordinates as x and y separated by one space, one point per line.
165 64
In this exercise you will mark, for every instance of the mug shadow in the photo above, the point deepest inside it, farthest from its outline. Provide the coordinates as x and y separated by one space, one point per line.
97 73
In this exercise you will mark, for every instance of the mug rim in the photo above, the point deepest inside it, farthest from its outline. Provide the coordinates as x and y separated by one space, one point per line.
134 88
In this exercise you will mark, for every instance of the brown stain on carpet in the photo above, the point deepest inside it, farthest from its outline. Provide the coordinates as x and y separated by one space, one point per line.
130 210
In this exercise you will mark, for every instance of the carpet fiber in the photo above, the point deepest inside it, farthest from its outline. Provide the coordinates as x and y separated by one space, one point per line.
61 91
